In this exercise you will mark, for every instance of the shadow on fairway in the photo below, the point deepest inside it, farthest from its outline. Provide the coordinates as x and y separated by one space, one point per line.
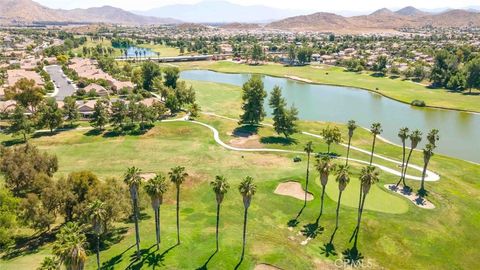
278 140
294 222
151 258
204 266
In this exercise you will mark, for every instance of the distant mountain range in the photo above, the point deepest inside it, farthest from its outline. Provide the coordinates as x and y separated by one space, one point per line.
216 11
383 19
27 11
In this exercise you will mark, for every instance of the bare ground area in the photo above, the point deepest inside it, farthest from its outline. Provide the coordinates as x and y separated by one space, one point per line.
414 198
264 266
245 140
292 189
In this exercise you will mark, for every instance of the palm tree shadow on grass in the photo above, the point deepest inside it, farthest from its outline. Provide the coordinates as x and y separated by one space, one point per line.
312 230
204 266
31 244
352 256
110 264
328 249
294 222
150 257
13 142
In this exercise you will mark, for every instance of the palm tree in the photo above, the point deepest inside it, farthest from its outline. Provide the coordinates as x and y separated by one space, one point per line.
343 178
324 167
96 214
415 139
49 263
247 188
70 246
177 176
220 186
155 188
427 154
351 128
403 135
376 130
136 54
433 137
309 150
133 179
368 177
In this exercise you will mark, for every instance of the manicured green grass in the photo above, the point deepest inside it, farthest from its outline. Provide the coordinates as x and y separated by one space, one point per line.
398 89
443 238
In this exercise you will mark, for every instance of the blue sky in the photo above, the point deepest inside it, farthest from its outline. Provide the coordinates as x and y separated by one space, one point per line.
311 5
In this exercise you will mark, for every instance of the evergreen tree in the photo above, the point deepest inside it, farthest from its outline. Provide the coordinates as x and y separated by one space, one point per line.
253 97
21 124
70 110
284 120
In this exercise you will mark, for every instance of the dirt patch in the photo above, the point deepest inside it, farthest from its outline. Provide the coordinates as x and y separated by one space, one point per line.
245 140
414 198
147 176
264 266
298 79
292 189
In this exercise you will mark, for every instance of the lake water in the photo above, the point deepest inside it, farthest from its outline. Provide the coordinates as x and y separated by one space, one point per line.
148 52
459 131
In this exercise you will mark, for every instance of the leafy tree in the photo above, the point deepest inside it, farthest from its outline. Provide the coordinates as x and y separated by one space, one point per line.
70 246
172 103
381 64
445 66
8 216
171 75
26 93
34 214
100 114
20 124
177 176
113 194
253 97
156 188
194 110
51 115
247 189
22 166
331 135
70 110
150 71
473 74
133 179
292 54
304 55
284 119
78 189
49 263
220 186
119 114
257 53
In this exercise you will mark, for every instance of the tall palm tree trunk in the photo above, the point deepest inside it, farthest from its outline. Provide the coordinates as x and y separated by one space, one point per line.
360 213
244 232
338 208
373 149
406 168
348 149
321 203
424 172
178 217
135 218
157 226
306 182
403 165
218 221
98 251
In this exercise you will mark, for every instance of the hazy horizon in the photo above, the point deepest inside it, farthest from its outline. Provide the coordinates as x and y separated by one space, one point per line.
311 6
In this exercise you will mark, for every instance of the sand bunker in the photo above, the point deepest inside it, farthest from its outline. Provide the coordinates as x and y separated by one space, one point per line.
292 189
414 198
245 140
264 266
298 79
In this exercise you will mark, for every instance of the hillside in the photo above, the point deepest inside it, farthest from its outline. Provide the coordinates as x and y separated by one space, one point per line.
382 19
27 11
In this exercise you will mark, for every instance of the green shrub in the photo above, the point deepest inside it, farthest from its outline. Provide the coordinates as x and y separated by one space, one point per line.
418 103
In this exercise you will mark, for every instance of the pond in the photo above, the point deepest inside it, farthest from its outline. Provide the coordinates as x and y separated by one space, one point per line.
142 52
459 131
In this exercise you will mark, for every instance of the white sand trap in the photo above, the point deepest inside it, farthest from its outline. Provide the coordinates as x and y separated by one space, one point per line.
292 189
295 78
414 198
264 266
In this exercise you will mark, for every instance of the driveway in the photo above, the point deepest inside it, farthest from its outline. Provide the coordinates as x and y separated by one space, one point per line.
64 88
